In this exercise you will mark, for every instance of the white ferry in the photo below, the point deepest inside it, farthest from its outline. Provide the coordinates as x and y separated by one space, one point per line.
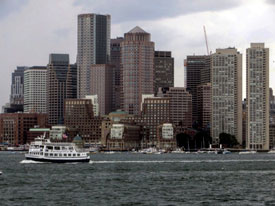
43 150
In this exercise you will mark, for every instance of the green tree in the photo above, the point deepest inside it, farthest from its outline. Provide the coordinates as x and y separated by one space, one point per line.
228 140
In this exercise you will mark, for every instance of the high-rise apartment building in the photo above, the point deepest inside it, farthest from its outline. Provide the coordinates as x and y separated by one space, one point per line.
180 105
226 102
35 90
257 73
197 72
61 84
102 86
163 70
93 47
137 61
116 61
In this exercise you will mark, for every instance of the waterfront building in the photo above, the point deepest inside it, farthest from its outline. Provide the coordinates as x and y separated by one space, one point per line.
102 86
163 70
257 73
137 61
166 136
117 74
271 136
35 90
61 84
14 127
57 132
226 98
37 132
93 47
123 137
271 107
180 105
197 73
204 105
80 120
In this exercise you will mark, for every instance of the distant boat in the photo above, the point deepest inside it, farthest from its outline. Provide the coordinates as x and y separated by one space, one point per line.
272 151
1 173
248 152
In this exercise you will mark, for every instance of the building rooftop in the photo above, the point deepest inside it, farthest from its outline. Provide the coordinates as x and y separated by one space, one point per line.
137 29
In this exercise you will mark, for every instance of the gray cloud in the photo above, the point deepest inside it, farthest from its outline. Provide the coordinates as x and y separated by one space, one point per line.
125 10
9 6
270 2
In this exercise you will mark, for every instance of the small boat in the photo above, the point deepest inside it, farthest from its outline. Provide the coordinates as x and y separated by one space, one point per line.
43 150
1 173
248 152
272 151
226 152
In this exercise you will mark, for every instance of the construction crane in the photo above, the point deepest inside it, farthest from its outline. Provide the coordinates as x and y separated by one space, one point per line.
206 42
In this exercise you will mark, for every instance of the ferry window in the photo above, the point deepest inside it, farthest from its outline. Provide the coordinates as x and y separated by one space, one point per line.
49 147
46 154
60 155
65 155
41 153
69 155
55 155
51 154
74 155
64 148
78 155
70 148
57 148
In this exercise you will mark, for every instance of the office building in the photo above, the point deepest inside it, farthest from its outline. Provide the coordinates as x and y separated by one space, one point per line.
163 70
226 102
93 47
197 73
61 83
102 86
180 105
35 90
204 105
257 73
116 61
137 61
17 86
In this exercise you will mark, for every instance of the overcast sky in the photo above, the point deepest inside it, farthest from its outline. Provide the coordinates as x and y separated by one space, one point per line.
32 29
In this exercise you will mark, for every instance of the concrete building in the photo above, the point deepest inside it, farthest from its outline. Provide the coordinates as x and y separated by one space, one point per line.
163 70
166 136
35 90
80 120
102 86
204 105
180 105
226 80
94 99
137 61
197 72
257 75
93 47
14 127
271 136
61 84
117 74
57 132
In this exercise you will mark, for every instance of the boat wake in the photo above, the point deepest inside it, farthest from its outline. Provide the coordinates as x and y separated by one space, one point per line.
31 162
178 161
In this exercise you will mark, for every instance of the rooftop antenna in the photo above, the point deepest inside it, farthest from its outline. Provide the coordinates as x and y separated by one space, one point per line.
206 42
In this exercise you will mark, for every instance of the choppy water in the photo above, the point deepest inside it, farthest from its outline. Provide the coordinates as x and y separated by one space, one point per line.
137 179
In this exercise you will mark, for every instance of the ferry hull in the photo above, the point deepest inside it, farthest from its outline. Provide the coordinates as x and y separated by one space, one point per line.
58 160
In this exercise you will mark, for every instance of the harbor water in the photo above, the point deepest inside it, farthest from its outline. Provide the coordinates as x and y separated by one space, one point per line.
140 179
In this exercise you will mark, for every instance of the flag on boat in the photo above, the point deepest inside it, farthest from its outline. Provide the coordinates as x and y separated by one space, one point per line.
65 136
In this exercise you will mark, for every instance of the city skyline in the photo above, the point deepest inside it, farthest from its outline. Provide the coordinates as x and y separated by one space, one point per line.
29 41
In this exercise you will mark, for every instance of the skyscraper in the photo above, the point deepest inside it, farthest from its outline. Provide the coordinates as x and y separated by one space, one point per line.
93 47
137 60
204 105
163 70
257 71
17 86
226 80
198 72
61 80
101 85
117 74
35 98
